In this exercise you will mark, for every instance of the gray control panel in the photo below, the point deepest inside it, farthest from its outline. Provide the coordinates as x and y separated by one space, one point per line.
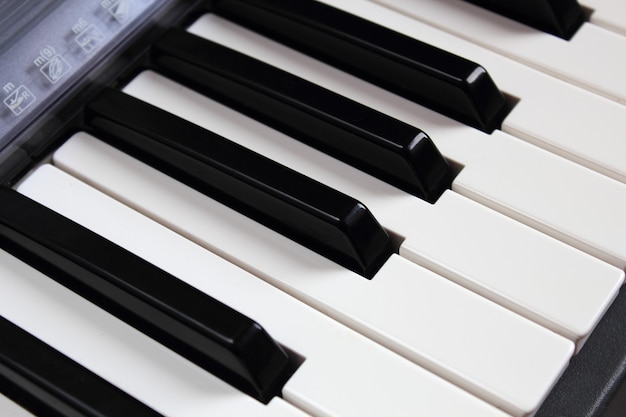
46 45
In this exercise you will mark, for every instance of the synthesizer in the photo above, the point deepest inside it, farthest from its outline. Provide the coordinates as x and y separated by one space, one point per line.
312 208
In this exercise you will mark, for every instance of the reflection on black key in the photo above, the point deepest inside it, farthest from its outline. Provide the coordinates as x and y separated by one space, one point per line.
48 383
319 217
198 327
447 83
558 17
385 147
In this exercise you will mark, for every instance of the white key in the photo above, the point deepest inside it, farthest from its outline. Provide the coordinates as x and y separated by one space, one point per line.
482 155
486 244
593 59
366 379
558 197
488 350
570 122
118 353
10 409
610 14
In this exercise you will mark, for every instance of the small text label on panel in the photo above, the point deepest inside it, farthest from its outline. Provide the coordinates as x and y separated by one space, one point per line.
18 99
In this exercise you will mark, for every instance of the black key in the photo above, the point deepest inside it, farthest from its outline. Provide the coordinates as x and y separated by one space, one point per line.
191 323
372 141
435 78
48 383
317 216
558 17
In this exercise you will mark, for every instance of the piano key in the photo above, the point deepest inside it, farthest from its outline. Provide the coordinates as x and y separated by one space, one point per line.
370 140
418 71
550 113
574 124
117 352
608 14
48 383
486 244
307 211
369 379
558 17
498 158
486 350
584 212
591 59
205 331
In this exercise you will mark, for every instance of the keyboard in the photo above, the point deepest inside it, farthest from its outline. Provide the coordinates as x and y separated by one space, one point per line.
313 207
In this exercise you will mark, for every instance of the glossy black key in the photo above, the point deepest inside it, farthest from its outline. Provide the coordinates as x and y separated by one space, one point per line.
319 217
558 17
374 142
48 383
189 322
435 78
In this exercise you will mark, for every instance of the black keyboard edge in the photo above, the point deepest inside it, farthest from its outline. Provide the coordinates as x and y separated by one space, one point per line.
592 380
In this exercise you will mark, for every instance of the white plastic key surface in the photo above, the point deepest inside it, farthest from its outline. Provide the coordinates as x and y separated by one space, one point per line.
610 14
118 353
593 58
570 122
475 150
478 345
343 373
578 206
456 237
